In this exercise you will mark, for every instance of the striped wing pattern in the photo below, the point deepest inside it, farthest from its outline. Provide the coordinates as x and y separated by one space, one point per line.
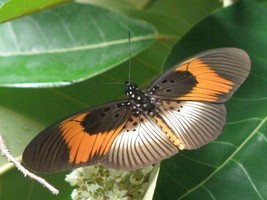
79 140
195 123
141 143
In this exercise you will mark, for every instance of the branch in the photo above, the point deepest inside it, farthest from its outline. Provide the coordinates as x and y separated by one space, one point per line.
5 152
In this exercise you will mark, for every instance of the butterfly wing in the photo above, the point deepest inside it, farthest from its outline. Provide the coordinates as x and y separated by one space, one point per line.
194 123
212 76
141 143
193 91
81 139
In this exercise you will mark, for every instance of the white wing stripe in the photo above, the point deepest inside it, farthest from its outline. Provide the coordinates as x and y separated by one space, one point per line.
139 146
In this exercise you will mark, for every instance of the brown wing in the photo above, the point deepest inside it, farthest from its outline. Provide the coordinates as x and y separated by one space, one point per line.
81 139
212 76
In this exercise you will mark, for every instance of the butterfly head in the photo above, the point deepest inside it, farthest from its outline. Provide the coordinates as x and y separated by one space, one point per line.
139 99
135 95
130 88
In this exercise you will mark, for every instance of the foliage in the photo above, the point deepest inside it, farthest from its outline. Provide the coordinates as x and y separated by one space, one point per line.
72 43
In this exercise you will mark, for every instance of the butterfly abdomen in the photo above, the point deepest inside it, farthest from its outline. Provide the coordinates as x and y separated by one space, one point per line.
169 133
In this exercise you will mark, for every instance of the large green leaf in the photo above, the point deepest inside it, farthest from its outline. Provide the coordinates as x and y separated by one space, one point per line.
46 106
67 44
234 165
171 17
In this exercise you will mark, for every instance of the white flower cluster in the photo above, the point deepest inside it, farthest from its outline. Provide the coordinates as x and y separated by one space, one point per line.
97 182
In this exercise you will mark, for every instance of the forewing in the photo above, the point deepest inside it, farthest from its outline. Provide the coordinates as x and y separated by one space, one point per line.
212 76
195 123
81 139
141 143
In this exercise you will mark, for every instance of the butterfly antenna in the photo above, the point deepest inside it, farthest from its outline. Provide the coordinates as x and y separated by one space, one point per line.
116 83
130 59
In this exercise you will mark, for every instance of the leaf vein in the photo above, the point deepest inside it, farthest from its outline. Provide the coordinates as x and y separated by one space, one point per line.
78 48
209 192
244 120
171 177
13 35
225 143
250 99
263 136
248 176
198 162
67 30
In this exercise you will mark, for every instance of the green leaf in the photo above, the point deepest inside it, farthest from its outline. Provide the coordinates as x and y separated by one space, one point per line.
11 9
234 165
11 122
171 17
67 44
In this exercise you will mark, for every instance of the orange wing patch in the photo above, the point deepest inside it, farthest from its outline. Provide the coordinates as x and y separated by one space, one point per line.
82 145
209 83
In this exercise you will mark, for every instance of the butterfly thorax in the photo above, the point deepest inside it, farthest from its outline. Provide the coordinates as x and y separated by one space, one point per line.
139 99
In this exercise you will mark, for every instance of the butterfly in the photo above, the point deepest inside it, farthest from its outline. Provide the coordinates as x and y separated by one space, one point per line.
182 109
